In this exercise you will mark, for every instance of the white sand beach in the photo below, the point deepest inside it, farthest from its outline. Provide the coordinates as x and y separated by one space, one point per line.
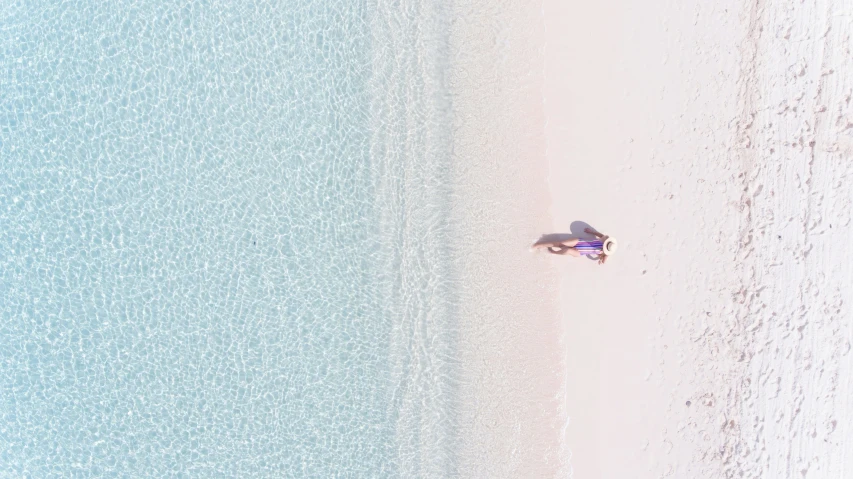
715 141
512 408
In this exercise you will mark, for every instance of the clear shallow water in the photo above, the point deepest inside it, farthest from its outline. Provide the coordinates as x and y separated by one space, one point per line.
221 233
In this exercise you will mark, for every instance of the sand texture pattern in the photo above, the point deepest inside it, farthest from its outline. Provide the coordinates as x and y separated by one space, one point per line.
715 140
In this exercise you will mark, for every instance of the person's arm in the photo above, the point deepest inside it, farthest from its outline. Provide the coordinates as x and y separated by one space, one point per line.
595 233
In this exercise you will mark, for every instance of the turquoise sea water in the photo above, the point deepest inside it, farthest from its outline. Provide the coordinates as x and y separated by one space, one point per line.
221 234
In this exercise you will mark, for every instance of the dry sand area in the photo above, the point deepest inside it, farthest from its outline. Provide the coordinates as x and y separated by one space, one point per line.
714 139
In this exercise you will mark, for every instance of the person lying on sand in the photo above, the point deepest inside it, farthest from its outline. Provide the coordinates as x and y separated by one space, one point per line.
603 246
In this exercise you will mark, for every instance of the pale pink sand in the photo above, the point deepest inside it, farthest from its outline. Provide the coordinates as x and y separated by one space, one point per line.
511 417
714 140
492 404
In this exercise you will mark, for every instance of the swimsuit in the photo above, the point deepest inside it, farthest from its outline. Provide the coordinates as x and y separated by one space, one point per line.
589 247
584 247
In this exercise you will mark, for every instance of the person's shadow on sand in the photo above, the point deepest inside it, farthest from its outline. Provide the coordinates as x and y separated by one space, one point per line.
577 230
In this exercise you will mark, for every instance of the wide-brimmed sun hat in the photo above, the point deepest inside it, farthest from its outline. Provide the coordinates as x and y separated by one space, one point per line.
609 246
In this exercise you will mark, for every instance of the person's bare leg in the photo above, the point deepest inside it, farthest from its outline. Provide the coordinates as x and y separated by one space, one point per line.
564 250
559 244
